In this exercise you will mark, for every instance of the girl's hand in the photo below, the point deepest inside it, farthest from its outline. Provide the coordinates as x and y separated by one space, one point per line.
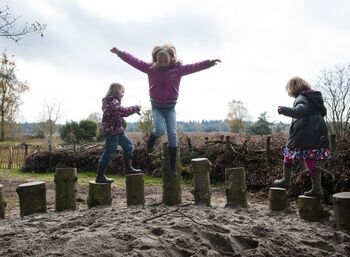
115 50
215 61
279 109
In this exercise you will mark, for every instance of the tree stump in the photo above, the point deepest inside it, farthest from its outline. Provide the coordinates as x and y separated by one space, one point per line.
66 188
201 181
171 183
278 199
135 190
235 187
32 197
99 194
310 208
341 203
2 204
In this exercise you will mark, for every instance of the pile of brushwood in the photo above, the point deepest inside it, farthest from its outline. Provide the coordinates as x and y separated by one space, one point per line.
262 164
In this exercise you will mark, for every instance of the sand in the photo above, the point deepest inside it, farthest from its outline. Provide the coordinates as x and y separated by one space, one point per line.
185 230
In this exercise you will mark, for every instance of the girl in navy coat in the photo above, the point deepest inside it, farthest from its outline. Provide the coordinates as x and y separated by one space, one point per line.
308 134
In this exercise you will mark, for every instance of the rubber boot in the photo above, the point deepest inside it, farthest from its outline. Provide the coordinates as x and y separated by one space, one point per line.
150 143
316 190
285 181
128 169
101 178
172 160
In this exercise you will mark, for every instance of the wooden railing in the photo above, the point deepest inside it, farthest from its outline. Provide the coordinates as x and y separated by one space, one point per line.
13 157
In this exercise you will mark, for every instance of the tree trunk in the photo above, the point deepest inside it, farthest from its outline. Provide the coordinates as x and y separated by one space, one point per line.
99 194
66 188
171 183
2 204
32 197
278 199
201 181
135 193
341 203
310 208
235 187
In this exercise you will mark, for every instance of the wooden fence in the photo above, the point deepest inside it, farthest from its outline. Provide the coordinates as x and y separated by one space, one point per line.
13 157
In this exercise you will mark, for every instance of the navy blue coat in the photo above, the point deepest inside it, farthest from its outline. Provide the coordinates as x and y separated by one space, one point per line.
308 129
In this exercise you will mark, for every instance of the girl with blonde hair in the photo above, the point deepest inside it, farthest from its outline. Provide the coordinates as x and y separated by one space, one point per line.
164 76
114 130
308 134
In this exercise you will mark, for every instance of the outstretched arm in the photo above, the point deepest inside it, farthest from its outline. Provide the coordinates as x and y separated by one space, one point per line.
127 111
195 67
133 61
300 110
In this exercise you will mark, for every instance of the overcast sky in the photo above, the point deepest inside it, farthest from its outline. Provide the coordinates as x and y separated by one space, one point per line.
261 44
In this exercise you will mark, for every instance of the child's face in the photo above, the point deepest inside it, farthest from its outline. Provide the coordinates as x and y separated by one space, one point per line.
163 61
120 92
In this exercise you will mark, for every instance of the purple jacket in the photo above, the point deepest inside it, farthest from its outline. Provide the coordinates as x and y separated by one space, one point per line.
113 113
164 85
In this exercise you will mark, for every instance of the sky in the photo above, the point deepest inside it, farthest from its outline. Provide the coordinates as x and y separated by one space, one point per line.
261 44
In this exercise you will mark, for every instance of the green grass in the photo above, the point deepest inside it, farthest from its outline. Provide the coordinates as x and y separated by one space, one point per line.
83 177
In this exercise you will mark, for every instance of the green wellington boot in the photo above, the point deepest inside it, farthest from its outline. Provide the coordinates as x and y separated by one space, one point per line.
316 190
285 181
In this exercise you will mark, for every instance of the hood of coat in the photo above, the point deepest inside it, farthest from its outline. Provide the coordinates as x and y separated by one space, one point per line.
316 101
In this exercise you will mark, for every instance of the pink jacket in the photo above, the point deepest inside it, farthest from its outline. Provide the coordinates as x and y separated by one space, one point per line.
164 85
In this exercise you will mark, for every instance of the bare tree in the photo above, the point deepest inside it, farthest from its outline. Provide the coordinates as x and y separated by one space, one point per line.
335 86
9 27
237 112
10 92
49 116
95 116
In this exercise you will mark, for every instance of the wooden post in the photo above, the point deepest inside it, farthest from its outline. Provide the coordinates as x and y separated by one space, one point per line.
189 144
25 151
310 208
333 142
268 149
235 187
171 183
201 181
99 194
341 203
66 188
135 192
10 157
2 204
32 197
278 199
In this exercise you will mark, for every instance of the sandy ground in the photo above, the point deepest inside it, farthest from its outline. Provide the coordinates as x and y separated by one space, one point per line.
185 230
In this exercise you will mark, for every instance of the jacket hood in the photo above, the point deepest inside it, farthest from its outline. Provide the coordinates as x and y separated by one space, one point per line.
316 100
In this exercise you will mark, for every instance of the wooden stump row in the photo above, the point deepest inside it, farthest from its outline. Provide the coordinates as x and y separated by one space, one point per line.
32 195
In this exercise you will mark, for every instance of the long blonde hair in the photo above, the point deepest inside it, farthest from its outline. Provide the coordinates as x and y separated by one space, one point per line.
113 89
296 85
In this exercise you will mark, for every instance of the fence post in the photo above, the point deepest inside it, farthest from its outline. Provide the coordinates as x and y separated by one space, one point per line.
268 149
10 157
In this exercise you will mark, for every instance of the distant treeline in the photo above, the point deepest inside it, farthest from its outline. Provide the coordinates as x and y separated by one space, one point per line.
185 126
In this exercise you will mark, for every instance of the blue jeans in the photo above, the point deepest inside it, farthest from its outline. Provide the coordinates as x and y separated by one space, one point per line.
111 144
164 119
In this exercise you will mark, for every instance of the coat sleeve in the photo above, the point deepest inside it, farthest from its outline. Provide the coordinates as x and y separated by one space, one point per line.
195 67
127 111
300 109
135 62
112 107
